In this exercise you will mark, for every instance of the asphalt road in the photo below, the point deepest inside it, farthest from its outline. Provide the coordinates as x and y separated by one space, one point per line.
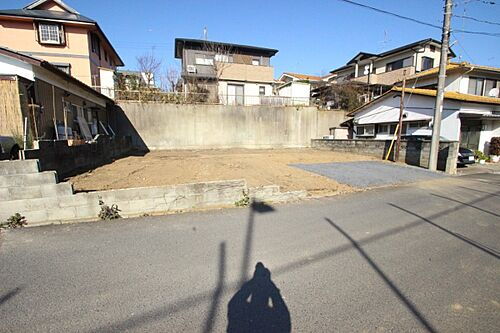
421 257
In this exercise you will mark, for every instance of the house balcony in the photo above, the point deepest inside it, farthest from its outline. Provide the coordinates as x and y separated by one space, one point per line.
386 78
244 72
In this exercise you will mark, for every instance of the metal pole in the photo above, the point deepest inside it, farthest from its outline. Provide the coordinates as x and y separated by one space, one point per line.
400 124
436 126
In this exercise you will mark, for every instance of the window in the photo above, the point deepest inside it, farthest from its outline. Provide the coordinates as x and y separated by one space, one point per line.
393 129
95 44
64 67
366 130
262 90
223 58
432 48
383 129
476 86
418 124
256 62
427 63
50 33
398 64
204 59
488 85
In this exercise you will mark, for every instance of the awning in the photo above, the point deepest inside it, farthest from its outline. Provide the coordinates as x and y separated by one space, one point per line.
479 116
390 115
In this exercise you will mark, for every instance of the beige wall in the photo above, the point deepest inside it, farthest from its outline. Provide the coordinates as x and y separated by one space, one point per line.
242 72
21 35
171 126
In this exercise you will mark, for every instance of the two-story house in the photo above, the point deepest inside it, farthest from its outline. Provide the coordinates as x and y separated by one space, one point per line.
471 109
53 31
235 74
387 68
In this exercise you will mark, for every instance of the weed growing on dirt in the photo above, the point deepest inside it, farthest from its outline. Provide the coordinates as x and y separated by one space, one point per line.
13 222
107 212
243 202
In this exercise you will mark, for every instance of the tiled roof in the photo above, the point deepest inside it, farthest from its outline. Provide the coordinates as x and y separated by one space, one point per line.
452 95
452 66
304 76
432 93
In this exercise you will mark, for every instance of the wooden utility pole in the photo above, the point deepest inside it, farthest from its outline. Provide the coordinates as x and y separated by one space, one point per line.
436 125
400 124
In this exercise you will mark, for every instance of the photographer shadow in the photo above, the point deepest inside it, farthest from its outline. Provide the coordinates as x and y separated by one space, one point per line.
258 306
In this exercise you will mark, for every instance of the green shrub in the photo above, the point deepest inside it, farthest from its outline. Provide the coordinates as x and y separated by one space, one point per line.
13 222
243 202
107 212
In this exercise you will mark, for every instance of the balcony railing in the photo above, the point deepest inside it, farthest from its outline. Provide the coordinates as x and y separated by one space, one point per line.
156 96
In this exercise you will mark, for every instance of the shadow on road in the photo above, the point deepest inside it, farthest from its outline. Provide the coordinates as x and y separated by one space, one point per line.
419 316
258 306
219 290
467 240
5 298
467 204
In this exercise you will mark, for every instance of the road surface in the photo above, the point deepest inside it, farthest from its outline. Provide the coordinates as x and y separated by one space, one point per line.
413 258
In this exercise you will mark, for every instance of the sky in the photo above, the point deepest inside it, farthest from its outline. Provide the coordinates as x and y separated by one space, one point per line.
312 36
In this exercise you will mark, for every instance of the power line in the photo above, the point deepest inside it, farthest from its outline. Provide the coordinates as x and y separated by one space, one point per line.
475 19
491 34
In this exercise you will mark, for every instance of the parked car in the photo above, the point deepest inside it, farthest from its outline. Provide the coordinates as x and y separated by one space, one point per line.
9 147
465 156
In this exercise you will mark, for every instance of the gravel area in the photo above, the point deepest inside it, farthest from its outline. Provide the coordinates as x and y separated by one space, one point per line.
363 174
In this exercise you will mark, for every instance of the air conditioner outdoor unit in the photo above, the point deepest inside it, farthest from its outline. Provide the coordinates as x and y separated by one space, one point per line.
191 69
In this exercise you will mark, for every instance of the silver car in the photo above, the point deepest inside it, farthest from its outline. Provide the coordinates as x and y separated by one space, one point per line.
9 147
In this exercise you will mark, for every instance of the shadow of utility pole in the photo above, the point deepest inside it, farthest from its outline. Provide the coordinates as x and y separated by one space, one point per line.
255 207
479 246
219 290
419 316
4 298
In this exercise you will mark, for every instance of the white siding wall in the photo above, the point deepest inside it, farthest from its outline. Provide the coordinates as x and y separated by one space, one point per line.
251 91
10 66
421 108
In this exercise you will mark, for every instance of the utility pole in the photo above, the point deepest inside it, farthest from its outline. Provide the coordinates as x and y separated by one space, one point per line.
400 126
436 125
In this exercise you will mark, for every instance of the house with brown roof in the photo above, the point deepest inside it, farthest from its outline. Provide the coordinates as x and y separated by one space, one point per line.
53 104
53 31
471 109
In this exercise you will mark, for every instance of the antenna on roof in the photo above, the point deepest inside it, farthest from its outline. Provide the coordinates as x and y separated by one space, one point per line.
205 33
385 41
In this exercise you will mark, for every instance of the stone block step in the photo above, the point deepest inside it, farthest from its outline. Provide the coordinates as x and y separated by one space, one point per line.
19 167
28 179
35 191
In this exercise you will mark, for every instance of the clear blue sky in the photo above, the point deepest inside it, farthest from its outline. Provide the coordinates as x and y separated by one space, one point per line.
312 36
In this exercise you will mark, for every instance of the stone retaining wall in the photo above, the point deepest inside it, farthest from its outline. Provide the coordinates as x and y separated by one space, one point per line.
70 160
412 152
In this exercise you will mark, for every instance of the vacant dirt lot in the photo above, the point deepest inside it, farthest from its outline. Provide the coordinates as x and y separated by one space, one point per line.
258 167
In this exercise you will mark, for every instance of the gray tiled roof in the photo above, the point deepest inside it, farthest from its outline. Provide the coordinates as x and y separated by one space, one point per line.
46 14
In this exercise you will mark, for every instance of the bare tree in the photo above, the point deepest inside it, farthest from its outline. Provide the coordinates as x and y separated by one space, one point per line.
222 57
169 80
149 66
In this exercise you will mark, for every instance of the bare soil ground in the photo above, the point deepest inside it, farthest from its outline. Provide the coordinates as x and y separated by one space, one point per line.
258 167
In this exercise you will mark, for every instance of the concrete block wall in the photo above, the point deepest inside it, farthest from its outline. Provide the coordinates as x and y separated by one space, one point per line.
412 152
157 126
69 160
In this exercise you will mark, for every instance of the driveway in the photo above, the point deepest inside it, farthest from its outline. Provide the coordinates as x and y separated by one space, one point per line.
364 174
417 258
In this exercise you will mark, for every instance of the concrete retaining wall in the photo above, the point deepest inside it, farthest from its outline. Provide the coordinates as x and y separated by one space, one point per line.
70 160
412 152
132 202
169 126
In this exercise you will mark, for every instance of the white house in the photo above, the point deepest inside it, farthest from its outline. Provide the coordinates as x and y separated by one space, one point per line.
471 119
